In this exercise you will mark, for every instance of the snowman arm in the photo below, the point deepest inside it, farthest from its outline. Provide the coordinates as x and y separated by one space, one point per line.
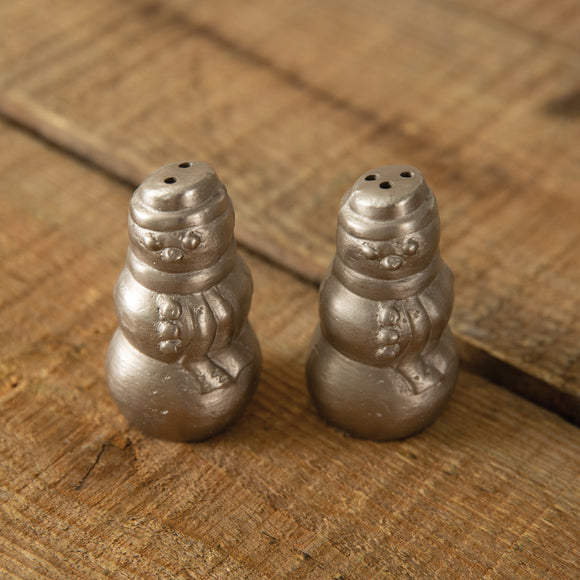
236 290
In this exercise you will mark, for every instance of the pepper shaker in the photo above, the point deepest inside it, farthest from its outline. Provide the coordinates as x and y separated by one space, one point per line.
383 362
184 361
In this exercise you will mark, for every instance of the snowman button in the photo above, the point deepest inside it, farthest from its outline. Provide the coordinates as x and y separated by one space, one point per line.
389 336
169 330
170 346
170 309
391 316
388 351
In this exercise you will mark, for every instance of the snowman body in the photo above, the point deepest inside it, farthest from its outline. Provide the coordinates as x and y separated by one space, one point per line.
383 362
185 361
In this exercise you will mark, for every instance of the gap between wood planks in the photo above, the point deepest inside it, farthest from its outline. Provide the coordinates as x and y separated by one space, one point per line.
60 133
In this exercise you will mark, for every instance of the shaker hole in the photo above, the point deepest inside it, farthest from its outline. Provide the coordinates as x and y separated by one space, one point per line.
170 180
185 164
385 185
371 177
406 174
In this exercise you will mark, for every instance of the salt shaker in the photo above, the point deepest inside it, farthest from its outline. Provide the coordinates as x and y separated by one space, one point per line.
184 361
383 362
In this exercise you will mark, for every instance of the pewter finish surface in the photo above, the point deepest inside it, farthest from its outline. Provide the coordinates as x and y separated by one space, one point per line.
383 362
184 361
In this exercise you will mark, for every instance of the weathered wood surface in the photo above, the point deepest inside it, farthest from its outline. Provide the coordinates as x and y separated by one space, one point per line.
558 22
291 101
490 491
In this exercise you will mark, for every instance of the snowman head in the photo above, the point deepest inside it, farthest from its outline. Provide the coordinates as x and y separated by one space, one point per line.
181 218
388 224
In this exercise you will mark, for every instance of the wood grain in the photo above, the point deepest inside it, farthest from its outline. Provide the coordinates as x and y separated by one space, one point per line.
557 23
490 491
292 101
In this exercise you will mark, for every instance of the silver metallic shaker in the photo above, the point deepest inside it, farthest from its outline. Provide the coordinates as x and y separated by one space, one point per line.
184 361
383 362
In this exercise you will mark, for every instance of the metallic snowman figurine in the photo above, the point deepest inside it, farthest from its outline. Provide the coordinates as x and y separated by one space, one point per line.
383 362
184 362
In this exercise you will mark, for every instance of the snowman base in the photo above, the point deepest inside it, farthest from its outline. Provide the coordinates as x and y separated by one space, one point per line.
378 402
182 402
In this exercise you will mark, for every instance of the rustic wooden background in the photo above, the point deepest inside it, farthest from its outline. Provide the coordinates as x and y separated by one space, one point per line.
290 102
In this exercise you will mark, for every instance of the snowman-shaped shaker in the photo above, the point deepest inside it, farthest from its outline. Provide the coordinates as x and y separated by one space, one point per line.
185 361
383 362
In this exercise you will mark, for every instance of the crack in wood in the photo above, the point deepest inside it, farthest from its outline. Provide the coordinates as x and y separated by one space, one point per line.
93 464
98 457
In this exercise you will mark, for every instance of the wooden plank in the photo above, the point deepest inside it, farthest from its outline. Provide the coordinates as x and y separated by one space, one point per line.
489 491
558 22
291 102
